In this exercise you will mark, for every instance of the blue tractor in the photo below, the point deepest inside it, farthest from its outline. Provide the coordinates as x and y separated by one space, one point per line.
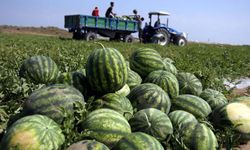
160 33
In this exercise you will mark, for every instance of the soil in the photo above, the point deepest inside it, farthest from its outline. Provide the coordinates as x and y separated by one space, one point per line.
44 31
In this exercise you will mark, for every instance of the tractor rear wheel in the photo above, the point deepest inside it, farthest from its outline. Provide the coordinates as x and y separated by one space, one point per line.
180 41
128 39
90 36
163 39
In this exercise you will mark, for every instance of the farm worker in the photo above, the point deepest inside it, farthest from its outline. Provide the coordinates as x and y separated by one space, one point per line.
139 19
95 12
109 13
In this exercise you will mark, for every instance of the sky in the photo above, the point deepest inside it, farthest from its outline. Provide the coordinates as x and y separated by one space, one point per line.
215 21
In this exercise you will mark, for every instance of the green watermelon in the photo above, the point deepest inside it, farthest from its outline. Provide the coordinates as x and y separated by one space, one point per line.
50 100
116 102
34 132
166 80
149 95
138 141
106 126
145 60
88 145
76 79
197 136
134 79
234 114
153 122
179 118
192 104
189 84
124 91
213 97
168 60
170 67
39 70
106 71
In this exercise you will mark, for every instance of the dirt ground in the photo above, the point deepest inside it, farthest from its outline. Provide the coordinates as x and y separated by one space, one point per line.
44 31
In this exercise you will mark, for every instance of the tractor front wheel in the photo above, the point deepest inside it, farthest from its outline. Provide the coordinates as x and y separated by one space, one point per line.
180 41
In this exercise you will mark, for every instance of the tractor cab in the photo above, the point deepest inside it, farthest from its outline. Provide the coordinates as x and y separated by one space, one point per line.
160 33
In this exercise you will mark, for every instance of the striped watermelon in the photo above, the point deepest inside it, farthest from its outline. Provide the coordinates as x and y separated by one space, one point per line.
116 102
168 60
106 126
34 132
189 84
192 104
138 141
179 118
88 145
106 71
166 80
149 95
153 122
170 67
233 114
134 79
39 70
145 60
124 91
76 79
197 136
50 100
213 97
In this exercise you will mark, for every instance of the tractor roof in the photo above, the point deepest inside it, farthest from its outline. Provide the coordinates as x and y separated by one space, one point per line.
162 13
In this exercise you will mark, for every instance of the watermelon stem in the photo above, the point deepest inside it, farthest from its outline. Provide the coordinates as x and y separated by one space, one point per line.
100 44
149 124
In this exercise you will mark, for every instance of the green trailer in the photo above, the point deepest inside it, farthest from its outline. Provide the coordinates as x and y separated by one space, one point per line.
87 27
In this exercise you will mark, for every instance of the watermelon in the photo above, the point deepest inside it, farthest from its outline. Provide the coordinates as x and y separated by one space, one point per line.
179 118
198 136
148 95
124 91
134 79
192 104
50 100
88 145
145 60
234 114
76 79
35 132
243 100
153 122
189 84
116 102
106 126
170 67
138 141
39 70
213 97
106 71
168 60
166 80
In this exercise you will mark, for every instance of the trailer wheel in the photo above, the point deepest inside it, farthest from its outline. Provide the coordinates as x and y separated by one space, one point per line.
90 36
164 38
180 41
128 39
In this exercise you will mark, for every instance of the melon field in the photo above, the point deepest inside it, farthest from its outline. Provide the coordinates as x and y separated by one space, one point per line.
59 93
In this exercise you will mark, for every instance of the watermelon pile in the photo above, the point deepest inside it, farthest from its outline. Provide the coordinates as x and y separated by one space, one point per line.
139 104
